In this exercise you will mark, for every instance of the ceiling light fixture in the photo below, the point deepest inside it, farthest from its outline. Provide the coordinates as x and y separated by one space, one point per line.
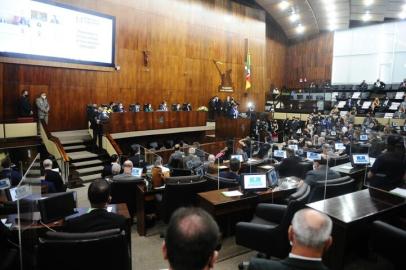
294 17
368 2
284 5
402 15
300 28
366 17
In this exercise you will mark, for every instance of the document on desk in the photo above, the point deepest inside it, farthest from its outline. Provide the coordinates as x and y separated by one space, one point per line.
399 191
223 167
233 193
346 167
4 221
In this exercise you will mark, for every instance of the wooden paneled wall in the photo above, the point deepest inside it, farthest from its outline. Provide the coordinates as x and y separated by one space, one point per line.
311 58
182 37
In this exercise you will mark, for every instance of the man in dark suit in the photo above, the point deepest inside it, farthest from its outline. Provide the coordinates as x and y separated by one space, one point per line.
136 158
52 178
107 170
290 165
378 85
235 166
319 173
98 218
402 85
363 86
8 172
310 237
24 105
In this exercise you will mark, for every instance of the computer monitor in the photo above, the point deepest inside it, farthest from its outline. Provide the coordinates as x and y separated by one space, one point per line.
333 133
339 146
11 194
363 137
239 157
4 183
272 177
359 159
279 153
137 172
313 156
254 182
57 206
294 147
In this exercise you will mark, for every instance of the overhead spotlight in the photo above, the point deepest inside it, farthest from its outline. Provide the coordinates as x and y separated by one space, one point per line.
366 17
294 17
300 28
368 2
402 15
284 5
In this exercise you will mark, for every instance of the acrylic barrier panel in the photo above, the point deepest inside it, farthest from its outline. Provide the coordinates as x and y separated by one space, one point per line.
27 221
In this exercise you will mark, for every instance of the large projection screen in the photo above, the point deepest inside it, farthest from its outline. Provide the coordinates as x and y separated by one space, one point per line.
368 53
49 31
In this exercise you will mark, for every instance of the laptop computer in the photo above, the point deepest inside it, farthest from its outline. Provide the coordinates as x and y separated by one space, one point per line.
363 137
137 172
313 156
254 182
339 146
4 183
239 157
359 160
279 153
57 206
293 147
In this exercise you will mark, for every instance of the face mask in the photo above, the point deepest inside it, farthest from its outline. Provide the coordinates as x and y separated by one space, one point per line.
314 167
44 97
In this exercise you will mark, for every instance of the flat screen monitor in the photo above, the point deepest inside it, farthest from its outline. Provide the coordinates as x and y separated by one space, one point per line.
313 156
272 177
4 183
137 172
254 182
363 137
333 133
57 206
294 147
339 146
360 159
239 157
279 153
11 194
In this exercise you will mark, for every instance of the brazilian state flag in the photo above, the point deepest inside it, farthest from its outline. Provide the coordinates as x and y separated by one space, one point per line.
248 72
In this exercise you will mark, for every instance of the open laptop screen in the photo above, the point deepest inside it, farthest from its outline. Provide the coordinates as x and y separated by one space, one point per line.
279 153
57 206
254 182
137 172
239 157
360 159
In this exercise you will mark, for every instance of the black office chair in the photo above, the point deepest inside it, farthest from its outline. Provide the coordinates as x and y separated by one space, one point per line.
103 250
180 191
389 242
334 187
8 250
214 181
180 172
338 160
302 194
123 191
268 230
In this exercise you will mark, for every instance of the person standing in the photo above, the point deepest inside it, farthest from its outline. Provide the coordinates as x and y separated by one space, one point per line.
24 106
43 107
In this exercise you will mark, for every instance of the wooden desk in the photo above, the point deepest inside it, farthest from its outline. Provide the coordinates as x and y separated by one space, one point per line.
143 195
131 121
346 169
233 128
350 214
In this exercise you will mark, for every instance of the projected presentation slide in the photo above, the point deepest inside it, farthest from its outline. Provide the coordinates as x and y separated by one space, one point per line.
43 31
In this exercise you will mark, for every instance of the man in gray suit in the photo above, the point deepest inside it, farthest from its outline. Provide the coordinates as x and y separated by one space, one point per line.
310 237
319 173
127 173
43 107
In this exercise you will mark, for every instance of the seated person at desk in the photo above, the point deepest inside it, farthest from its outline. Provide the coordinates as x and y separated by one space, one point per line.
191 240
127 172
52 179
148 108
319 173
163 107
98 218
310 237
175 160
378 85
114 159
136 157
235 166
209 166
289 166
191 161
246 145
363 86
375 105
9 172
226 152
402 85
120 107
388 169
328 152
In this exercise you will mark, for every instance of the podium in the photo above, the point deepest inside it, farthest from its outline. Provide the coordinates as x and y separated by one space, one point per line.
232 128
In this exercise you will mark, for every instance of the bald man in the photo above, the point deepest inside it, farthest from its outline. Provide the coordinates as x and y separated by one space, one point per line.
127 173
191 240
310 237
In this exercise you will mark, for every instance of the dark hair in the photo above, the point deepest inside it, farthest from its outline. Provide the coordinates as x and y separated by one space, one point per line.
234 165
6 163
99 192
113 158
191 238
135 148
322 161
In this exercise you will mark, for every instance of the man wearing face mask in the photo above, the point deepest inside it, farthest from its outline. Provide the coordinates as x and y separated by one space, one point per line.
24 106
319 173
43 107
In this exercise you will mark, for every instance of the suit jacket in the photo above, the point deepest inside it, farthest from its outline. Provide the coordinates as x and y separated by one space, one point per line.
96 220
56 179
136 160
127 177
43 107
290 167
319 175
13 175
24 106
286 264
